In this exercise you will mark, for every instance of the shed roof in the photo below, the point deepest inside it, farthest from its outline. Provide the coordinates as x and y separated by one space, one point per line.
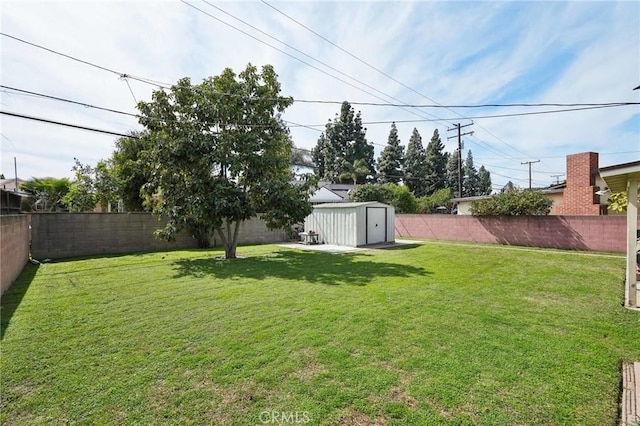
348 205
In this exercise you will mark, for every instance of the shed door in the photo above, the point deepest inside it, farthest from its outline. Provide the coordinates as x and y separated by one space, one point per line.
376 225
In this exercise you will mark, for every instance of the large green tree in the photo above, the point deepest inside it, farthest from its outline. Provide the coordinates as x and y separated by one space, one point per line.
130 169
219 154
470 180
343 142
436 164
91 186
391 159
485 181
453 175
415 168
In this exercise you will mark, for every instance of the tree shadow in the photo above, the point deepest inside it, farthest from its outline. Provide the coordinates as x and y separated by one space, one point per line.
400 247
314 267
12 298
538 231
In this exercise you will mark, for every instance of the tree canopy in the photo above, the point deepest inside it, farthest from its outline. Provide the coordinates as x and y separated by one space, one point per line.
391 159
415 165
219 153
343 142
435 164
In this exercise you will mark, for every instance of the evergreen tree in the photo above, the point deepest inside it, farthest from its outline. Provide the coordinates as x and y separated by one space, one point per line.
415 166
390 161
436 164
343 142
485 181
361 150
471 181
453 177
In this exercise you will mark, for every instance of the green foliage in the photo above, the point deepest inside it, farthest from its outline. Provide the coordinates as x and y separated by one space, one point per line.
47 194
354 171
618 201
484 178
471 180
130 170
430 204
436 165
219 153
415 169
453 177
393 194
91 186
343 142
391 159
513 203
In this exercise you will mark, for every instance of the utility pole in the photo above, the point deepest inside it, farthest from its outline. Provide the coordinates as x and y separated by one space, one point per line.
530 163
557 178
457 127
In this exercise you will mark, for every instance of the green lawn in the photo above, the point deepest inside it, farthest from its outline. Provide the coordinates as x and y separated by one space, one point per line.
426 334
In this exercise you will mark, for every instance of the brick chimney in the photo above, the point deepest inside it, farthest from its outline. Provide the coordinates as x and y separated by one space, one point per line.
580 197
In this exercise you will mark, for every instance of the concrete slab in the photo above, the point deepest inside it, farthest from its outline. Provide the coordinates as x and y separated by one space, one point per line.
630 410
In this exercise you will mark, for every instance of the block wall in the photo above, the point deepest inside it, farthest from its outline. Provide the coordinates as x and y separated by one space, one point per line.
596 233
60 235
14 248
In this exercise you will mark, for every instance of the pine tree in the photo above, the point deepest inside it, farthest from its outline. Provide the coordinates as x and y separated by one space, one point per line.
361 150
485 181
436 164
343 142
390 161
471 181
453 177
415 166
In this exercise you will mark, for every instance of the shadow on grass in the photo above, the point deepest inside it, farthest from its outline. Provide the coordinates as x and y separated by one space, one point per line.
315 267
400 246
13 297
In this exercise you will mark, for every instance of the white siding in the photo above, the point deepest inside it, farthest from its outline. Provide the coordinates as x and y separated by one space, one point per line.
334 226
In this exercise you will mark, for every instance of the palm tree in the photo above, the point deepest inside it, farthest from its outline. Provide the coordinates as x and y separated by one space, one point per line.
353 171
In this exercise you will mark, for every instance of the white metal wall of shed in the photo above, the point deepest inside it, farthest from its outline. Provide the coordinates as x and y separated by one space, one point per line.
333 225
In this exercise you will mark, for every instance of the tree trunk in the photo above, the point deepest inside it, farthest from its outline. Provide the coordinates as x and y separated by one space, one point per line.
229 239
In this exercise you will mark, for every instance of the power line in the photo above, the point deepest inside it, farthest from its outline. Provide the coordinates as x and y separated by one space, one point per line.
385 74
59 123
82 61
299 51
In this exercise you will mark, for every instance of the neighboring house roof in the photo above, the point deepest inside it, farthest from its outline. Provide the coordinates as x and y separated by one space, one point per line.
332 192
10 183
325 195
349 205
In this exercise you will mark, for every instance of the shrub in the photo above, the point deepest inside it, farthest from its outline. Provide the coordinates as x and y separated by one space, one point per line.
513 203
440 198
398 196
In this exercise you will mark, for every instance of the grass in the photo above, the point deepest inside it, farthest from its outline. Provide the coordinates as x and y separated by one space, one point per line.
428 334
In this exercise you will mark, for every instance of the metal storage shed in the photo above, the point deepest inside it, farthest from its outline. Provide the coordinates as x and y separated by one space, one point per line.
352 224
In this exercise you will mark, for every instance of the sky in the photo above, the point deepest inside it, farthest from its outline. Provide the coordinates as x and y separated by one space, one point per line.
446 54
